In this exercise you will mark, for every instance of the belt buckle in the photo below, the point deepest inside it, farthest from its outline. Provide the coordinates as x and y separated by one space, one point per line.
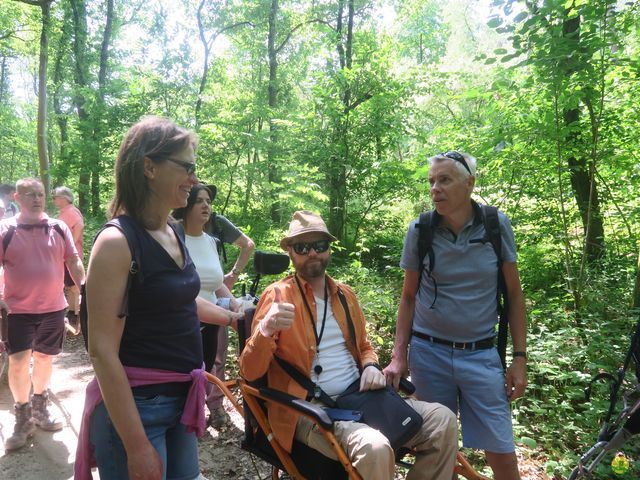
459 345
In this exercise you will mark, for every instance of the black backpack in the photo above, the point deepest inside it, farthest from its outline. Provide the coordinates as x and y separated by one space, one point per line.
491 223
125 225
8 236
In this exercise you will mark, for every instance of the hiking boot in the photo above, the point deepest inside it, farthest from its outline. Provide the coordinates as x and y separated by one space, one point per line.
218 417
23 428
41 415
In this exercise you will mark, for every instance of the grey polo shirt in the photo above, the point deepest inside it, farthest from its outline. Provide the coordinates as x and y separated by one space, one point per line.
224 230
466 274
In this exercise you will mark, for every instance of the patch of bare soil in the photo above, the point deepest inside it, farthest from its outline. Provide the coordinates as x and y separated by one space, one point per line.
50 456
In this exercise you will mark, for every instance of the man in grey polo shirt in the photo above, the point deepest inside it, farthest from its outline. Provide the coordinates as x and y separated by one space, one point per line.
449 319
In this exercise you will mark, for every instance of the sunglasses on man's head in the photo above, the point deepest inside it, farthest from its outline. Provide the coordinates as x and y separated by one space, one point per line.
302 248
458 157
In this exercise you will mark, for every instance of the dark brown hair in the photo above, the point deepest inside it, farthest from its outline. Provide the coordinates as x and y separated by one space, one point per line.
181 213
153 137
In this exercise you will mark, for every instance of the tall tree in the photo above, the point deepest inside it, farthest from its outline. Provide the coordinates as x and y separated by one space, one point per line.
43 63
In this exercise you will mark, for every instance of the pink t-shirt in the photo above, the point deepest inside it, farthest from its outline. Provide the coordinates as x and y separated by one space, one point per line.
34 266
70 215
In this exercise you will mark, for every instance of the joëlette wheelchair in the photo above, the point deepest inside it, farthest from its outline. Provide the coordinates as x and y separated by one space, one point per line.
303 463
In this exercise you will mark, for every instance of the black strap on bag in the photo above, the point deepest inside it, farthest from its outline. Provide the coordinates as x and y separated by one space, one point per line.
383 409
426 226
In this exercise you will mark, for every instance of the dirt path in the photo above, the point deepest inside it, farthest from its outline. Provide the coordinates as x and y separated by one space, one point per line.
50 456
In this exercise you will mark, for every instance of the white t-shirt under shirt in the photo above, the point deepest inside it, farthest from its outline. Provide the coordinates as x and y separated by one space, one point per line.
204 254
339 369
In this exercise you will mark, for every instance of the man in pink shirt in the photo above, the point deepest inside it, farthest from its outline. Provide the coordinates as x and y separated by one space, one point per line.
69 214
33 252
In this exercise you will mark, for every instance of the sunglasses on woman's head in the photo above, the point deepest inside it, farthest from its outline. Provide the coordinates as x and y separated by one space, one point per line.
302 248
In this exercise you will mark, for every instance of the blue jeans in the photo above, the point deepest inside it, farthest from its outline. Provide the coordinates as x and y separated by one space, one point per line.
160 417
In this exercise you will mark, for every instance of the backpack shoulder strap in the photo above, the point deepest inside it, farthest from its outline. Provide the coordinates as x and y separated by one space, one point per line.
492 228
7 238
425 241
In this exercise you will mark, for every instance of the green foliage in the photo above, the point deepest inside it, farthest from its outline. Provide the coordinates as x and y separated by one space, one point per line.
428 77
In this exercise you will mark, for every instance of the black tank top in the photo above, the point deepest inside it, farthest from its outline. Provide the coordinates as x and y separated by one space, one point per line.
162 330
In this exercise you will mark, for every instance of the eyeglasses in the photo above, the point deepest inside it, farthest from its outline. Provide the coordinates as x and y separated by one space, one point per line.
190 167
302 248
458 157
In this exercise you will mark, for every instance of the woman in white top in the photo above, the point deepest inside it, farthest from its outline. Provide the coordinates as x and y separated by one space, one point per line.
204 252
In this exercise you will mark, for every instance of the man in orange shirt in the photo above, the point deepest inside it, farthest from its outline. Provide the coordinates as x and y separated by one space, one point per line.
69 214
301 320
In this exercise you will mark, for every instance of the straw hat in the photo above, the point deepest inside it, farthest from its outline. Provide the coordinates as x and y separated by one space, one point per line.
304 221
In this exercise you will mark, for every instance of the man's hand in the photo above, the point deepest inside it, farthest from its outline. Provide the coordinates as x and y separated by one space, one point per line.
372 379
235 305
516 380
396 370
279 317
4 307
145 463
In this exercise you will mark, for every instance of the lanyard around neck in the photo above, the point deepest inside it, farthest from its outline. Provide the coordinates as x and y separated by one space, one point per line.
317 336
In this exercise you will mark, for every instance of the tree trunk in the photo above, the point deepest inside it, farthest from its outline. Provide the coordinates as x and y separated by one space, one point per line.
61 163
96 166
272 167
636 289
43 155
581 169
337 171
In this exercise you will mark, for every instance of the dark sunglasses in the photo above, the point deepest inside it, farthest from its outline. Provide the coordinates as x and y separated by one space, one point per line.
453 155
190 167
302 248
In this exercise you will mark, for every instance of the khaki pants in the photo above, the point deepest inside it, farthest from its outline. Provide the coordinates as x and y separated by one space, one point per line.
436 445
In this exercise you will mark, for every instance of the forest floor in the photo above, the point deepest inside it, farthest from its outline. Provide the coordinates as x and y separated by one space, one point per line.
51 455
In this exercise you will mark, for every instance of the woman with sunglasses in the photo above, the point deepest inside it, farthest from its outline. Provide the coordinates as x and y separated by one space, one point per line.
146 404
204 252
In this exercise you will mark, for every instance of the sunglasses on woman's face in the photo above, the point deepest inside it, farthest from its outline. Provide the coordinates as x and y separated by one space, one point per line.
189 167
302 248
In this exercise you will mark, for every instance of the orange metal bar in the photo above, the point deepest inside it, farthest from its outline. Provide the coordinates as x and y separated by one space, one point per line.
465 469
224 386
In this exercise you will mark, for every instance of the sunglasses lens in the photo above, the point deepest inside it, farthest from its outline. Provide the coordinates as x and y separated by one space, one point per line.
300 248
321 246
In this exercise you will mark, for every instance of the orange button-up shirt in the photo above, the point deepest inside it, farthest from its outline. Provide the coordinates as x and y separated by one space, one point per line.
297 345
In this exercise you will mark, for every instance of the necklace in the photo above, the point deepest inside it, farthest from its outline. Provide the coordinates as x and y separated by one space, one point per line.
318 336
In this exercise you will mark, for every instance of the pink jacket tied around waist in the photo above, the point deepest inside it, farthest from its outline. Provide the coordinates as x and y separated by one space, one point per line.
192 416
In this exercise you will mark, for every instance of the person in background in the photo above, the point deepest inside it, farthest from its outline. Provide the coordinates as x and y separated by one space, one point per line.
33 251
69 214
221 228
7 193
145 405
204 252
447 316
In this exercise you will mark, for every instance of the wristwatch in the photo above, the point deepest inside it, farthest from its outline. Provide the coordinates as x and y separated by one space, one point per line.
520 354
235 271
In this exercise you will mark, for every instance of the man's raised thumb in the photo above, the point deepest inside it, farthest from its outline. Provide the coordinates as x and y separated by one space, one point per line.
277 295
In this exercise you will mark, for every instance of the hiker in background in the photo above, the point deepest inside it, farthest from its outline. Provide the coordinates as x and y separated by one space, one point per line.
204 252
34 250
69 214
7 193
448 312
226 232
